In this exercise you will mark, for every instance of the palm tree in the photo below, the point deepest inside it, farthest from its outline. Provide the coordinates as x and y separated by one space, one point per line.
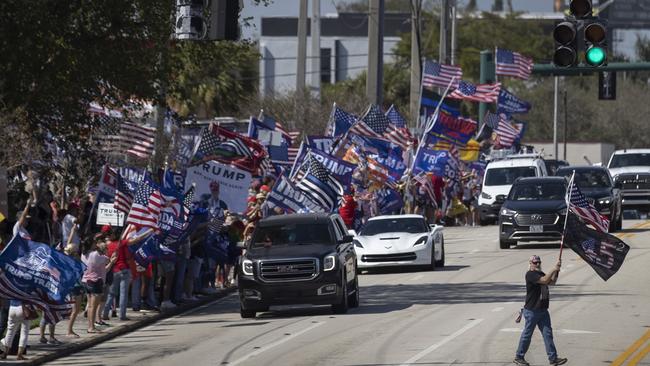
471 6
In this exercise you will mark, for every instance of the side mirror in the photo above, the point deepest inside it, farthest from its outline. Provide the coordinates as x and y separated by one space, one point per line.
352 232
241 244
432 226
346 239
500 199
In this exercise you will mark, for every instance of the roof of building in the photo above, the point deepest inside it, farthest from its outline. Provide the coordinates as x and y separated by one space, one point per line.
345 25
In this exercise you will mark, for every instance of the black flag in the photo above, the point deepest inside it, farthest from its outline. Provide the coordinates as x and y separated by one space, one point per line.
605 253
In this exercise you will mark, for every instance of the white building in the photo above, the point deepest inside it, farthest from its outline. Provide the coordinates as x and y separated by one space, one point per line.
343 48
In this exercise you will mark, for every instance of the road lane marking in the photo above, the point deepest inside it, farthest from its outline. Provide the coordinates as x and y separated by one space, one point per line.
640 356
628 352
275 344
444 341
474 251
417 277
497 309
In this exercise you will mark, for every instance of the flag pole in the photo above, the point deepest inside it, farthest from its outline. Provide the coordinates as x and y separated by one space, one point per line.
568 212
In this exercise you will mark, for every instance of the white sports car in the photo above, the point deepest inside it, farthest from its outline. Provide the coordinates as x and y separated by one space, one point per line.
399 240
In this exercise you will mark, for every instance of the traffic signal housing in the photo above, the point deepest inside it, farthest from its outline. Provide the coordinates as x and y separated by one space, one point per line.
595 36
566 48
581 8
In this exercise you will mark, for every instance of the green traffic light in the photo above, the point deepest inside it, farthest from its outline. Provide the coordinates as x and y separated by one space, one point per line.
595 56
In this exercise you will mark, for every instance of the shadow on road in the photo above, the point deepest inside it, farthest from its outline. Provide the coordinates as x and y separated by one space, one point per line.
412 269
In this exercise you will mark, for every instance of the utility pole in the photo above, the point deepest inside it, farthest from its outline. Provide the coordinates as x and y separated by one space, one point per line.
302 46
454 7
566 125
375 51
555 95
416 67
315 48
444 28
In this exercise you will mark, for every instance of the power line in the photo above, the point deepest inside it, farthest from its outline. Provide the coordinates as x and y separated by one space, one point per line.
294 74
322 57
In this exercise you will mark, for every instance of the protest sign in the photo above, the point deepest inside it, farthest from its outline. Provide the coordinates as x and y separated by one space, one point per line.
108 215
233 183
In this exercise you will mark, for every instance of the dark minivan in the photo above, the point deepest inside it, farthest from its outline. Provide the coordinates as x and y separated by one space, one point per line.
299 259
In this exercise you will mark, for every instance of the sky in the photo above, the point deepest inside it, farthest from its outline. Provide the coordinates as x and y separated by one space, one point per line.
289 8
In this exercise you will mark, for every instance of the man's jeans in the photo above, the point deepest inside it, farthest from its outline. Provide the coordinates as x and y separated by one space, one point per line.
121 282
136 294
179 279
542 320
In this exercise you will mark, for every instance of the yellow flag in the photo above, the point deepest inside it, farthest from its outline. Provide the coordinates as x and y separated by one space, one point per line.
470 151
2 217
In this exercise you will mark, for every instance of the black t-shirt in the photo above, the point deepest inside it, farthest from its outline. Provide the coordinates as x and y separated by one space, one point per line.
536 294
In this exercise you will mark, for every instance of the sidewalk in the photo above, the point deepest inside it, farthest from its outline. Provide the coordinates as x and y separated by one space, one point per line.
39 353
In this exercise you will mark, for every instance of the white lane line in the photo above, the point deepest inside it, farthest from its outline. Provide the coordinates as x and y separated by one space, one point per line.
563 331
418 277
275 344
445 340
473 251
497 309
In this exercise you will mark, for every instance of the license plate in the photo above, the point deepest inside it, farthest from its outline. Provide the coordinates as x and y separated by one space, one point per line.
536 228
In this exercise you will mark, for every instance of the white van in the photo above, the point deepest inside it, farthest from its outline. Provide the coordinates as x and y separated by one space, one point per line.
498 179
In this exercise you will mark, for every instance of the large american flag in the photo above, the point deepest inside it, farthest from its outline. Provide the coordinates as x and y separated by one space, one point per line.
505 132
514 64
398 132
486 93
53 312
275 125
117 136
146 206
435 74
579 205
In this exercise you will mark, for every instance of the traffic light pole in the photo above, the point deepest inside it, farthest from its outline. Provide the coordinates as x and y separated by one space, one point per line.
487 76
556 82
550 69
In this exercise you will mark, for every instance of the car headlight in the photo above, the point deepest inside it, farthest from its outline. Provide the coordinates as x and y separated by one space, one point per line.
507 212
247 267
562 211
486 196
422 240
329 263
357 243
605 200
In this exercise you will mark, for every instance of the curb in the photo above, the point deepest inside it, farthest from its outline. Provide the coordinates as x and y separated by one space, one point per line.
82 345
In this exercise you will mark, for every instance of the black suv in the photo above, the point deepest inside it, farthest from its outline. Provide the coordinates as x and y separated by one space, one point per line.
600 190
299 259
534 210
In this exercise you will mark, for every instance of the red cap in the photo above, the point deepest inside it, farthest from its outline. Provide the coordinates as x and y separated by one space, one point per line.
106 229
265 188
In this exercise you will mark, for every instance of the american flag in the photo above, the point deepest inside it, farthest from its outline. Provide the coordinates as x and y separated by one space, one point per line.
274 125
319 184
53 312
397 131
486 93
505 132
188 200
425 182
123 195
137 140
229 147
146 206
514 64
375 124
340 122
579 205
435 74
377 171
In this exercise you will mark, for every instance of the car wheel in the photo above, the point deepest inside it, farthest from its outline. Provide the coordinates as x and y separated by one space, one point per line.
342 307
505 244
246 313
432 265
353 299
441 262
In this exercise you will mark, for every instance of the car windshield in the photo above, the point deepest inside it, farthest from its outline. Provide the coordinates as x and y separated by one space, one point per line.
537 192
405 225
623 160
507 176
291 234
589 178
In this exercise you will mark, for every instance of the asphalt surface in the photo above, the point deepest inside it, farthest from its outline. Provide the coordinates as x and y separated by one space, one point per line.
462 314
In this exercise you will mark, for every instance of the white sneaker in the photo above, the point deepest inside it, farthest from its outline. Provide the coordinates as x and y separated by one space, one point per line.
167 305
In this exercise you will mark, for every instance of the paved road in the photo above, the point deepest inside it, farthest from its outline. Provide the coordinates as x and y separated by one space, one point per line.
460 315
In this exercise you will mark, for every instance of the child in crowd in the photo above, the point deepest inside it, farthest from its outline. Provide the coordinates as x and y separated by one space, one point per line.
97 263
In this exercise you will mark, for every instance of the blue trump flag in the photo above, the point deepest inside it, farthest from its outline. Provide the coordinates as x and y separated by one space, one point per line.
508 103
389 201
438 162
40 276
288 197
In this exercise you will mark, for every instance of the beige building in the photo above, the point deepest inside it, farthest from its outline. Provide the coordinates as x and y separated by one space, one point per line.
577 153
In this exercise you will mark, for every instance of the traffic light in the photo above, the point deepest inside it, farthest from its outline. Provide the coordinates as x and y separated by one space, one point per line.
595 32
190 24
566 49
223 23
581 8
